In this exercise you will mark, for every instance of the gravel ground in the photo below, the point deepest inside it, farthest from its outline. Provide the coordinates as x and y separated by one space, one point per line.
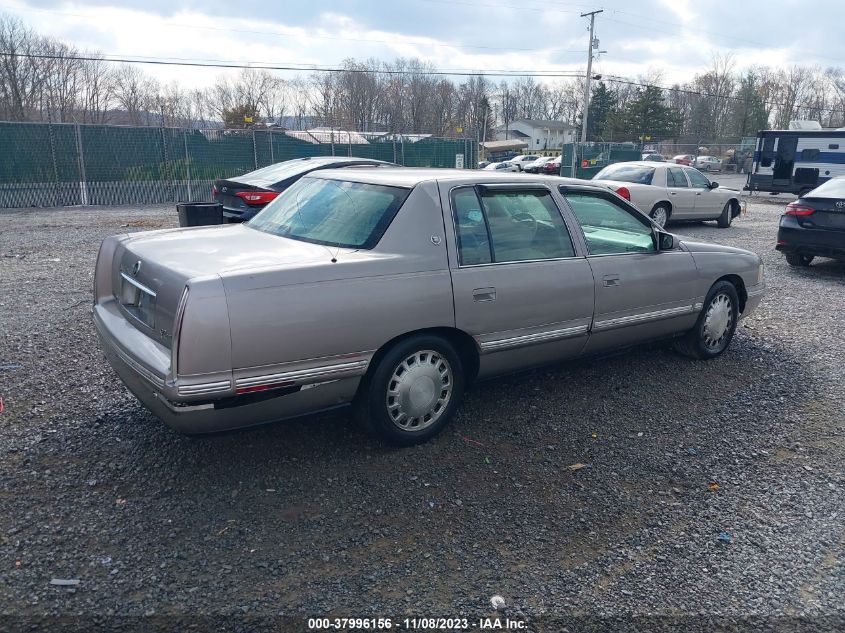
711 488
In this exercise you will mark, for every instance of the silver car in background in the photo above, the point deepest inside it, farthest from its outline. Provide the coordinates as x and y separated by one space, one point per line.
393 290
502 166
707 163
671 192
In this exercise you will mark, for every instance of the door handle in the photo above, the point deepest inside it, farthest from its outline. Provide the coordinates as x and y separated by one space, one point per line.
698 194
673 193
484 294
610 280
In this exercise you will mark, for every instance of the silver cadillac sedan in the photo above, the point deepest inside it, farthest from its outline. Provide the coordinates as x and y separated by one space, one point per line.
393 290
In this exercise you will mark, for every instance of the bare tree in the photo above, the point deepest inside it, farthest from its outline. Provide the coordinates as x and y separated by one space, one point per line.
21 77
135 93
97 89
62 81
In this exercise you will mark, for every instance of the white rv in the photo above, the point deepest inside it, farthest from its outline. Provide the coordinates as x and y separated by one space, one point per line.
796 161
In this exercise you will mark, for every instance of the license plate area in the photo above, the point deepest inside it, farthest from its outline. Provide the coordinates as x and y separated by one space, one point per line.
137 300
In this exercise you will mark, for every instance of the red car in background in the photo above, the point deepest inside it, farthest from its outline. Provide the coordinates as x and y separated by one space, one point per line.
684 159
552 167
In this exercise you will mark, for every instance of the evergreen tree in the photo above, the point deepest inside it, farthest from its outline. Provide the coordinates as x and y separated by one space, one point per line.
647 115
602 105
748 113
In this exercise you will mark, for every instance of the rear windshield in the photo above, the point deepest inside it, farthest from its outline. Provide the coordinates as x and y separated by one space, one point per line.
332 212
834 188
272 174
627 173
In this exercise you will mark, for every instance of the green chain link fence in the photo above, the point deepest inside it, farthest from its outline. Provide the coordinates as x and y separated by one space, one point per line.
64 164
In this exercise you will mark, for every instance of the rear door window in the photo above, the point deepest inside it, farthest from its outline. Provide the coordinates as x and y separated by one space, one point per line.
473 237
675 177
501 225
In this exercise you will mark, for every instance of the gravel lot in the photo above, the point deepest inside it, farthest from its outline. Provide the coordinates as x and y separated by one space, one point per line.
313 518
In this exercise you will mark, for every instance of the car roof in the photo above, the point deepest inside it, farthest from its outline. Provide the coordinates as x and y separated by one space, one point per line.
638 163
412 176
324 160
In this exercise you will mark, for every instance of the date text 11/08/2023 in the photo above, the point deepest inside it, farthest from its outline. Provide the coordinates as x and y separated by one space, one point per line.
416 624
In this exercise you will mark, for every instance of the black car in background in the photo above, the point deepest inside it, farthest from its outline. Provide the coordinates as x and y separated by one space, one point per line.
244 196
814 225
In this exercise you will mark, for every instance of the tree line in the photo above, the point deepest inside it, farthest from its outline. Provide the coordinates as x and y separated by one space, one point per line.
44 79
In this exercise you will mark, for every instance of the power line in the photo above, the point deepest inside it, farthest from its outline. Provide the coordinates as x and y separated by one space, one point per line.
561 74
292 67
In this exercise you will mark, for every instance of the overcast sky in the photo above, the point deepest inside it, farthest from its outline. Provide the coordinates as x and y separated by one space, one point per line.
675 37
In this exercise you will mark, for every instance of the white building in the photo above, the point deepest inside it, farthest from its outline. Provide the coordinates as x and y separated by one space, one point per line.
538 135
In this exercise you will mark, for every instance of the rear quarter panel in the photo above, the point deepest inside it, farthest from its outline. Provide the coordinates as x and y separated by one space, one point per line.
644 197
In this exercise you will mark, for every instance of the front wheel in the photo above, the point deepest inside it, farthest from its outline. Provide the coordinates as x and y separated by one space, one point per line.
413 391
715 327
796 259
724 220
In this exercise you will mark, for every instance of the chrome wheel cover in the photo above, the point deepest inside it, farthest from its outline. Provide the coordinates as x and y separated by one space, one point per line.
659 216
419 390
717 322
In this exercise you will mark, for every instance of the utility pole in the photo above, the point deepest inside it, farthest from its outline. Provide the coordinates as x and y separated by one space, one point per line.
590 47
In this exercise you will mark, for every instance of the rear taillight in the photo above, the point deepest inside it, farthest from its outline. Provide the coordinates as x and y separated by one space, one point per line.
794 208
177 332
213 191
624 193
254 198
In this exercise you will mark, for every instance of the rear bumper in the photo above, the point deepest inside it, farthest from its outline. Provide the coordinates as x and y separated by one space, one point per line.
794 238
240 215
146 375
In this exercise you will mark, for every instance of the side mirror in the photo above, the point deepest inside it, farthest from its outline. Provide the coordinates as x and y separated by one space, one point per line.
665 241
713 185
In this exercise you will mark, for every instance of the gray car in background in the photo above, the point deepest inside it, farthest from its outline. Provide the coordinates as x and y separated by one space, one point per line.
395 289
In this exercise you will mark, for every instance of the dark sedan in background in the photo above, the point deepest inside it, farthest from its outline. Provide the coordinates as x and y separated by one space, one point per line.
244 196
814 225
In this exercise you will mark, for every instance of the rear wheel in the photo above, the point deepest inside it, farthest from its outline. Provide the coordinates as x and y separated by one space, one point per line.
797 259
413 391
724 220
660 215
716 324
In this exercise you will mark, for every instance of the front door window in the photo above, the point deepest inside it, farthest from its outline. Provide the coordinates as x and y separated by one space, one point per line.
608 228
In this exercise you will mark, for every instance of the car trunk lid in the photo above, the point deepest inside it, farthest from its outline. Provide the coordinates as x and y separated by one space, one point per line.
828 213
227 194
151 269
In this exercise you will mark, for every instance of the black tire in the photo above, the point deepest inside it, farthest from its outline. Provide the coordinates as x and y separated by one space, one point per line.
724 220
654 215
798 260
694 343
372 404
